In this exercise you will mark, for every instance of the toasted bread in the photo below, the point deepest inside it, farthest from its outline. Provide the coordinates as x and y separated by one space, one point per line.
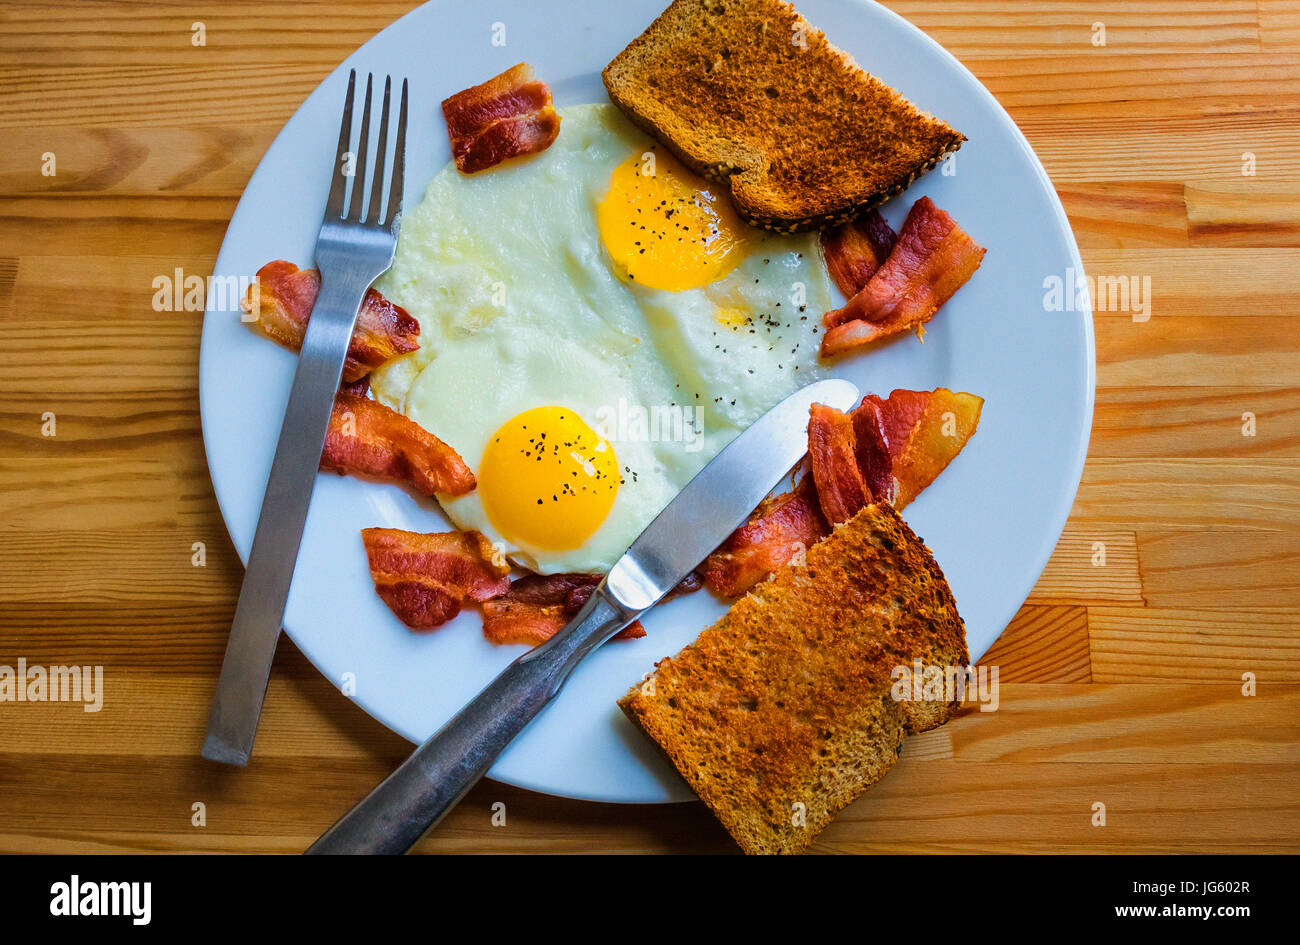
747 92
782 713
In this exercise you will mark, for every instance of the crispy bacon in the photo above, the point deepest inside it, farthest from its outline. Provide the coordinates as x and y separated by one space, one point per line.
931 260
281 301
687 585
871 450
536 607
781 527
856 250
832 447
884 450
924 432
368 439
507 116
358 388
425 579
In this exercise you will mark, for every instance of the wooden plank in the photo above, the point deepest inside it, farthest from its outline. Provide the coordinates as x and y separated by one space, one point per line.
1190 422
1125 214
959 807
1132 725
1193 351
1026 775
208 161
1126 147
1220 566
147 226
1043 644
1279 24
998 28
75 348
1061 84
41 493
1090 566
45 589
1260 494
1245 212
1209 283
1190 646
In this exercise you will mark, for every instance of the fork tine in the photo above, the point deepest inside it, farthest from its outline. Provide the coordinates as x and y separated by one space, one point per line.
359 177
339 181
381 165
399 165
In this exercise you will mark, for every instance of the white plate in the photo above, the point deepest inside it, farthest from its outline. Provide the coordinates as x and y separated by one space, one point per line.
992 518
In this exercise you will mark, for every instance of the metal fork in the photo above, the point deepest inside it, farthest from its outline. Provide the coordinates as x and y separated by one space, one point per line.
353 249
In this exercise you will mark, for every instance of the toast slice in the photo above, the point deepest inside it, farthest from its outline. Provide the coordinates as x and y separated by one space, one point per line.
747 92
784 711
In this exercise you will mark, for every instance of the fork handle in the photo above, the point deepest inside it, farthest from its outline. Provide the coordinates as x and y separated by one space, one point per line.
232 720
411 800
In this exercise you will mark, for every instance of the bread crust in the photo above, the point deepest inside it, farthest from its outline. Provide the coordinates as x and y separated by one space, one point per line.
748 93
788 699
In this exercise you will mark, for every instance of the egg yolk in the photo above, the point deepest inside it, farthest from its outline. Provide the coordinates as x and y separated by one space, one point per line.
665 228
730 316
547 480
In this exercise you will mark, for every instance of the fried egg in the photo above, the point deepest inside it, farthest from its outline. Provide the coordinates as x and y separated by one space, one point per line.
596 323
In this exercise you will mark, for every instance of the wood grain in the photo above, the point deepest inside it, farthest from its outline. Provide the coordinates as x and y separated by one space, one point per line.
1175 148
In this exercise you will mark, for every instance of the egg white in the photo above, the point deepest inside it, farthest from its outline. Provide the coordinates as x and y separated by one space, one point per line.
519 308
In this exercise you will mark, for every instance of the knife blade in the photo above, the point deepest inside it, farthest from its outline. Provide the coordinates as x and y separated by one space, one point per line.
410 801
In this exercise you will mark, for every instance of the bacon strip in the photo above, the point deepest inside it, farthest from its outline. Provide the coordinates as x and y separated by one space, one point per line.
359 388
426 578
368 439
924 431
688 585
931 260
781 527
281 301
507 116
536 607
856 250
871 450
832 447
884 450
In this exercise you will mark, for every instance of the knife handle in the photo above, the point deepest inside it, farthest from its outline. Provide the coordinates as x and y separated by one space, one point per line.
410 801
246 667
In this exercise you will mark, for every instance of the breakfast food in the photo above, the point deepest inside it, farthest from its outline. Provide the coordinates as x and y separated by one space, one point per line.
281 300
782 527
885 451
851 462
854 251
871 451
931 259
833 446
747 92
924 432
365 438
781 713
585 378
537 607
507 116
427 578
587 328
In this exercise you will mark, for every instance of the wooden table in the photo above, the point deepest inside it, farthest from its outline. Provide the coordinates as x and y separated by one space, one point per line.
1122 684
